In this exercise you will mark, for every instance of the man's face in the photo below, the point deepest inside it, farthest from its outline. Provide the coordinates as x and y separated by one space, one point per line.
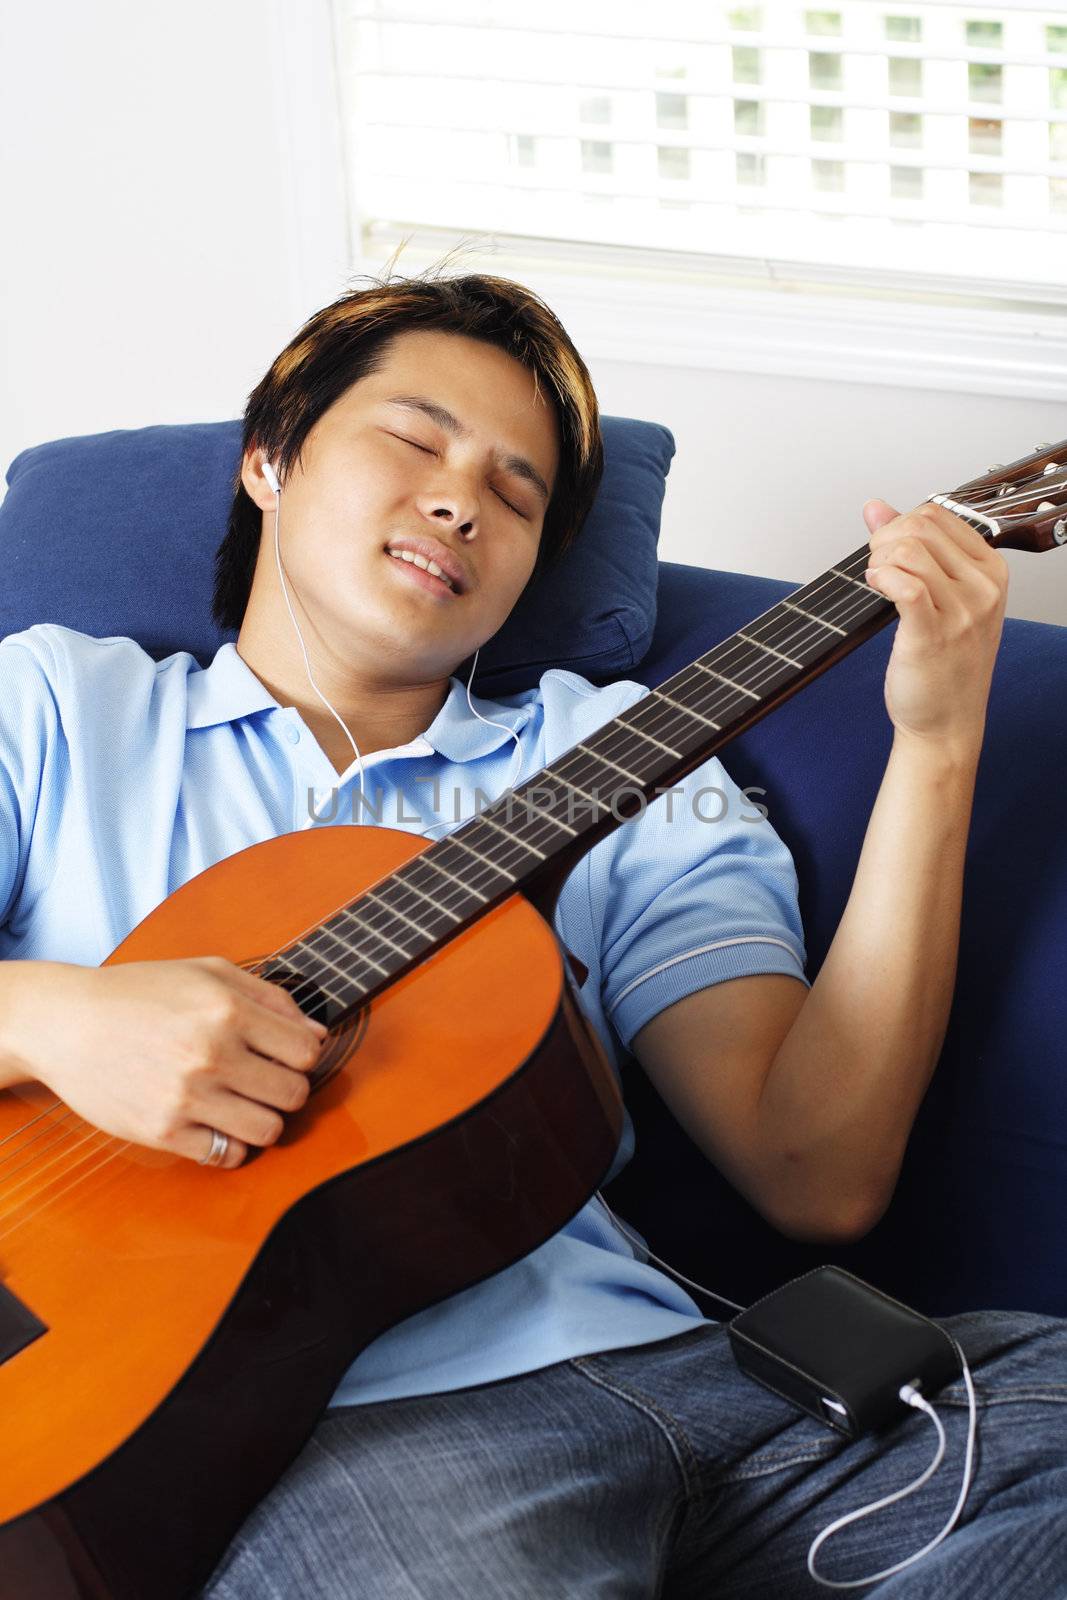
376 471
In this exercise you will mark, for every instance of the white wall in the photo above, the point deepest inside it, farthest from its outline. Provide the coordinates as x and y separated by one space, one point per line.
141 278
770 473
165 235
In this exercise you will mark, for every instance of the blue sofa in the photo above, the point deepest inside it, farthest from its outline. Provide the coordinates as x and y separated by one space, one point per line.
979 1216
114 533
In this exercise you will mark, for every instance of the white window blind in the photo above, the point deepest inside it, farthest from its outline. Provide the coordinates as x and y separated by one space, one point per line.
921 140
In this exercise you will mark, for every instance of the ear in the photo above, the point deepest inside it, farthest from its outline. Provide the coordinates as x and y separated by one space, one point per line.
255 484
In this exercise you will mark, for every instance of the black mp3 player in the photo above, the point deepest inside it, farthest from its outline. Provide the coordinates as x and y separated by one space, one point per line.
841 1350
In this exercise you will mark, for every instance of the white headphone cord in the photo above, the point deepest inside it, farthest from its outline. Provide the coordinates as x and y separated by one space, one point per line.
908 1393
296 625
911 1396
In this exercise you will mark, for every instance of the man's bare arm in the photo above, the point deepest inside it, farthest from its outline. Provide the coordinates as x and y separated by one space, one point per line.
812 1127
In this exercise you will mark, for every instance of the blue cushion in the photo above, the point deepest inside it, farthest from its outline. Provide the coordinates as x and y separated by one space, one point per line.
115 533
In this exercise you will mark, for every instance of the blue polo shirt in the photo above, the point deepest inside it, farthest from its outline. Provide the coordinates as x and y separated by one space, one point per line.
122 777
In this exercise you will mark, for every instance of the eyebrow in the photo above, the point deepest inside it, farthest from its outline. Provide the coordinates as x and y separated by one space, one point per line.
444 419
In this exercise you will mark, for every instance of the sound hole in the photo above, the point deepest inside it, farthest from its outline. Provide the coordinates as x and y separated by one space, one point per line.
347 1027
305 990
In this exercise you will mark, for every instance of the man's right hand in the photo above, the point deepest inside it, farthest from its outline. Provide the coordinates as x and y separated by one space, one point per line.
162 1052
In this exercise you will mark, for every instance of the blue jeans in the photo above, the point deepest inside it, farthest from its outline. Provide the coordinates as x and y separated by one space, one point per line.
662 1471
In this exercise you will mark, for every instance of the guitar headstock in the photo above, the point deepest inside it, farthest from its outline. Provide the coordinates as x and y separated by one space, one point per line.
1022 506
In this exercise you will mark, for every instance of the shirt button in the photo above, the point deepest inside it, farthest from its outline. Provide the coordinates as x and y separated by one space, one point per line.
292 734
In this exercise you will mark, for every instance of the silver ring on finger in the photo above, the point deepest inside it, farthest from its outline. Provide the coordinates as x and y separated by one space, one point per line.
220 1143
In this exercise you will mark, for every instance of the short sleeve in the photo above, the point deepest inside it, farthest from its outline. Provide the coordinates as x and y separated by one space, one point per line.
697 889
29 721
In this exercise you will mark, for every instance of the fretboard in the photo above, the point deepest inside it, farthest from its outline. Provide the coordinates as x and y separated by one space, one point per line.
538 832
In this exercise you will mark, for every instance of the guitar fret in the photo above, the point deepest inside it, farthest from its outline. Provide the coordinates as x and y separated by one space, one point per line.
770 649
847 575
369 894
699 714
338 1000
607 759
430 862
632 728
322 957
407 884
347 949
378 934
813 618
511 837
724 679
559 820
455 839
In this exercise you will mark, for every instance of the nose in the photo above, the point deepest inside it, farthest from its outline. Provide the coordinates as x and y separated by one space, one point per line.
447 515
456 511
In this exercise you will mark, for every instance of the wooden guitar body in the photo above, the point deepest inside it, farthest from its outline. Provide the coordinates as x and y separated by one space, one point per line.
196 1321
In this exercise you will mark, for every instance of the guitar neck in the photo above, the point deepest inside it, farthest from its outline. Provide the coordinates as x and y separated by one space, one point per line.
530 839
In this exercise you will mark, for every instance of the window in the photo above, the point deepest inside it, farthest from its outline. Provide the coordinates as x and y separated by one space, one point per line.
906 128
597 155
827 122
672 111
748 118
925 140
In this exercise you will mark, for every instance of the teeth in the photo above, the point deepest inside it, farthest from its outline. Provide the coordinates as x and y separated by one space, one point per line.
421 561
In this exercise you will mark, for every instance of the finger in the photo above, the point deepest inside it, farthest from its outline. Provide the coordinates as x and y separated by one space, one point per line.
907 592
273 996
194 1143
876 513
958 530
255 1078
926 552
240 1118
290 1043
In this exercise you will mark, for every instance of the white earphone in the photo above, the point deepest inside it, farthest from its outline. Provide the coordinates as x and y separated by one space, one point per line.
272 479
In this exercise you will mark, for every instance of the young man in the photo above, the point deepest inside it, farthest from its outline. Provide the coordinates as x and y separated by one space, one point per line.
574 1425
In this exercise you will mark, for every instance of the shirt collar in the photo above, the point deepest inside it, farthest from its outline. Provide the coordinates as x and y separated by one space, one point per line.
228 690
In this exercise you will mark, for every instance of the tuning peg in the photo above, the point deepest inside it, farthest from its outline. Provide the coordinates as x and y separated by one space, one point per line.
1059 531
1046 446
998 466
1048 505
1053 466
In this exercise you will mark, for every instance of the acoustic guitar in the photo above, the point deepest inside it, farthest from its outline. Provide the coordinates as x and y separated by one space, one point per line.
171 1333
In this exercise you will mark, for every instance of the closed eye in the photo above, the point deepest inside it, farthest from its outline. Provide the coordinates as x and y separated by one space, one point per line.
427 451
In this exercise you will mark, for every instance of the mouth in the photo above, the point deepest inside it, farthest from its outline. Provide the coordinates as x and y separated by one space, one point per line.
415 571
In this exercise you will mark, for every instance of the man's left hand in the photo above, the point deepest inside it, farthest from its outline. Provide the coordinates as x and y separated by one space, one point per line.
950 589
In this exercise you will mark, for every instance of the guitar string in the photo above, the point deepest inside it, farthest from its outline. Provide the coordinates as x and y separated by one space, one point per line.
406 895
70 1167
792 638
792 634
567 771
125 1144
800 629
856 607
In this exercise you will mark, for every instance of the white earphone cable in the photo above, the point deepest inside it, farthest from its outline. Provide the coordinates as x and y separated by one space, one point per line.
907 1393
296 625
